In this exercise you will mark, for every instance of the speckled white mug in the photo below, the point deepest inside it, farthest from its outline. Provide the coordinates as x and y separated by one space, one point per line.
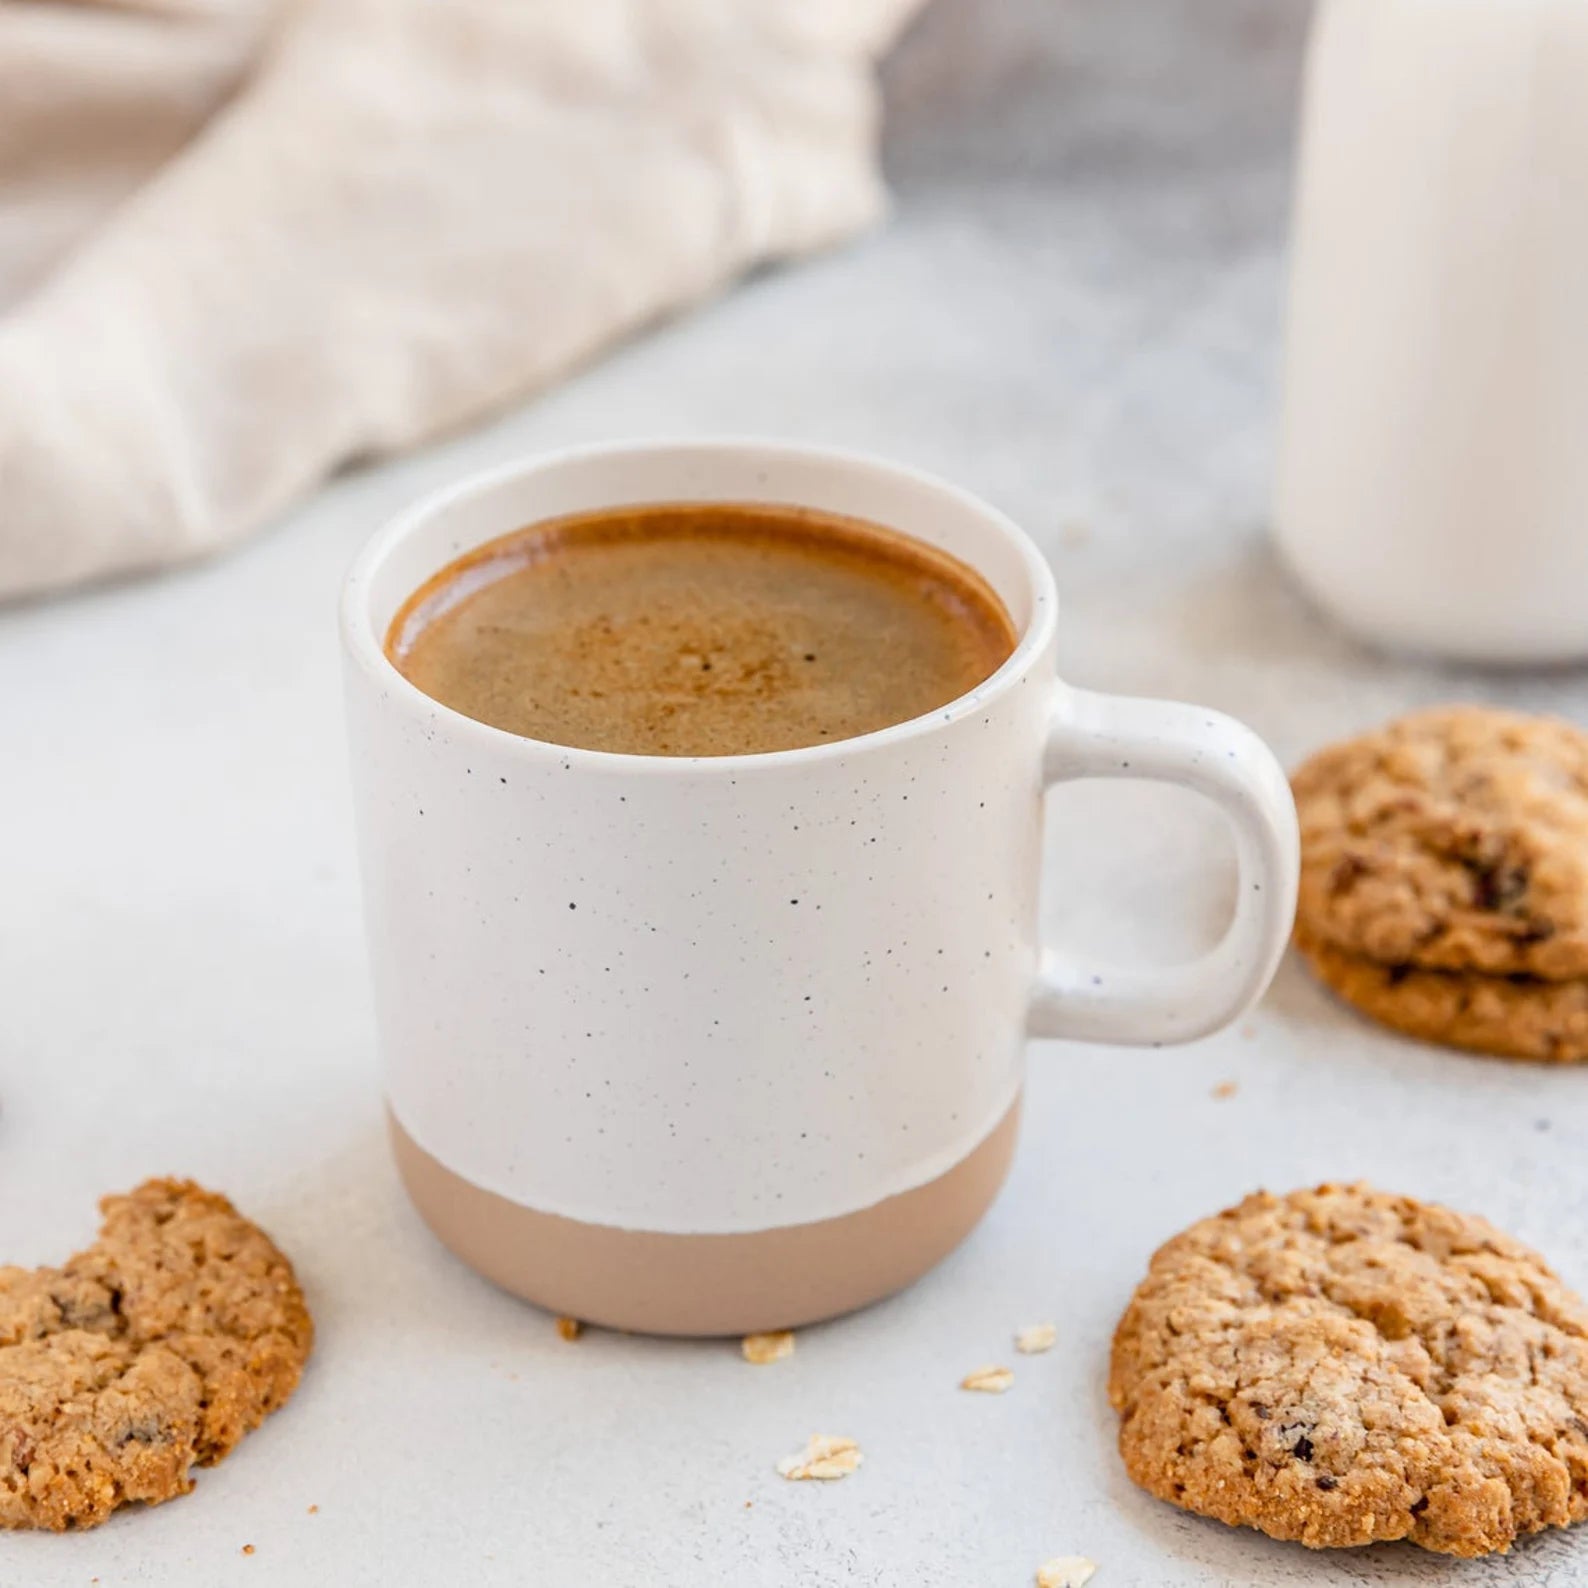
711 1045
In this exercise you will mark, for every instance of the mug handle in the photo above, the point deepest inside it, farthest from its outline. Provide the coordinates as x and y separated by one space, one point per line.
1113 736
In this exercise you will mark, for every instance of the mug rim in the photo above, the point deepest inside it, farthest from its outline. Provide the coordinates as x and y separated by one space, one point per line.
364 647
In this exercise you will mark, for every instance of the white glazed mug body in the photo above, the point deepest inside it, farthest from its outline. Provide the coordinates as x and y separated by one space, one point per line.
699 1002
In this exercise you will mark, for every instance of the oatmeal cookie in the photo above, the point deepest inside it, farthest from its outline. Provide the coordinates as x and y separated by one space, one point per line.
1452 839
154 1350
1341 1366
1517 1017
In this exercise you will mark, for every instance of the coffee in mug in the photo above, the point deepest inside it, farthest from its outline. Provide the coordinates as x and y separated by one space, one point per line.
700 628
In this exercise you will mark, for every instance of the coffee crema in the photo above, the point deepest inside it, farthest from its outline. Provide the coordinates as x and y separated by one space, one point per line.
700 629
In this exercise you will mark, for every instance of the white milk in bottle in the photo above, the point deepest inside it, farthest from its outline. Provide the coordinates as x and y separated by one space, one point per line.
1433 474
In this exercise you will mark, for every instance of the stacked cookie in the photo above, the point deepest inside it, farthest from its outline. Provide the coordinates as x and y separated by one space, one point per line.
1444 879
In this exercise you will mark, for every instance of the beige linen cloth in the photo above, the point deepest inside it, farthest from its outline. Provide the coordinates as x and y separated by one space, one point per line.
243 242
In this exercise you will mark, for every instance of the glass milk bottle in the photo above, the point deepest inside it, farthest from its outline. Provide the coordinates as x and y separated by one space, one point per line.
1433 475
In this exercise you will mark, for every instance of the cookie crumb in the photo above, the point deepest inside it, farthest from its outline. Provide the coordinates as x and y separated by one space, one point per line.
825 1456
248 1549
988 1380
1226 1089
1035 1338
569 1328
1066 1571
314 1510
764 1348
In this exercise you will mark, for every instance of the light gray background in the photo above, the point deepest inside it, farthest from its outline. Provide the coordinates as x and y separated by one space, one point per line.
1075 311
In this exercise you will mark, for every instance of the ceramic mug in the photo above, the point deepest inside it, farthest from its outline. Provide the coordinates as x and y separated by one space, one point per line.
711 1045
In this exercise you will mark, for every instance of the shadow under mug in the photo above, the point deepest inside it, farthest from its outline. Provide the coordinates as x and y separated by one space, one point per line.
713 1045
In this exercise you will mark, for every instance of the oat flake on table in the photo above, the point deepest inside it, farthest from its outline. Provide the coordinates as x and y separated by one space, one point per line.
763 1348
988 1380
825 1456
1035 1338
1065 1571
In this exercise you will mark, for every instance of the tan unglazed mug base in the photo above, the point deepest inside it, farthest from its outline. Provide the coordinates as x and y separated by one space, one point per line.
707 1284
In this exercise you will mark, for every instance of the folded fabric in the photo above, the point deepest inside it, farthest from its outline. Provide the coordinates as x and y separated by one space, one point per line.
243 245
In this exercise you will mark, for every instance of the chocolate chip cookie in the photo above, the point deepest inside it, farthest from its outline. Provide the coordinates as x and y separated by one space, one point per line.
1444 878
153 1351
1341 1366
